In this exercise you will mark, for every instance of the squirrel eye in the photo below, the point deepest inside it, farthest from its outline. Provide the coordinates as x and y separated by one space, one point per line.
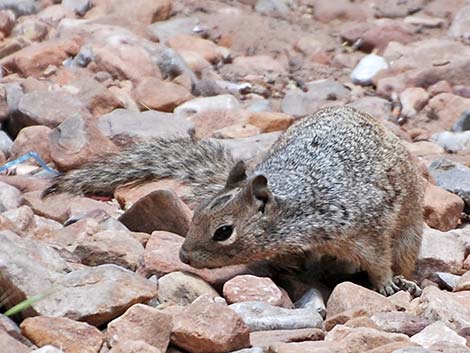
223 233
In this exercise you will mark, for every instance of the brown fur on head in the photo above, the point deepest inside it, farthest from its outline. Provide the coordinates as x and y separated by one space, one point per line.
233 226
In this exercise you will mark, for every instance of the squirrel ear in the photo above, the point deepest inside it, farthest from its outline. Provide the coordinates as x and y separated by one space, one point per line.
258 186
236 175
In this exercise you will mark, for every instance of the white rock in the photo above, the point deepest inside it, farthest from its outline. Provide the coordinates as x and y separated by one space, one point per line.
437 332
197 105
367 68
453 141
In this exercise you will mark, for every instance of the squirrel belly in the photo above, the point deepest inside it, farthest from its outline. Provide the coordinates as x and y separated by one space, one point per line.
337 183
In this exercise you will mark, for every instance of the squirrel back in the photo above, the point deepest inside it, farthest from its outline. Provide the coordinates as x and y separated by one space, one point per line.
336 184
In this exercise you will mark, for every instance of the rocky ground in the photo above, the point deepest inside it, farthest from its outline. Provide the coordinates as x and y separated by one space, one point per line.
86 77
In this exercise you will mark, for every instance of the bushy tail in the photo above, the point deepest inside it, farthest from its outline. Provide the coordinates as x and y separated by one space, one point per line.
203 165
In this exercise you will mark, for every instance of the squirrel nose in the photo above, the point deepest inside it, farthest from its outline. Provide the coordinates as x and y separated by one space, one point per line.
184 256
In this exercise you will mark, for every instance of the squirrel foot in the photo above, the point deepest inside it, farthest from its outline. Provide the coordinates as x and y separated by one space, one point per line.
389 289
408 286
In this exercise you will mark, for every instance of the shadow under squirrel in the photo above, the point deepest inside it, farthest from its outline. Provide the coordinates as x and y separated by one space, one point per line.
336 184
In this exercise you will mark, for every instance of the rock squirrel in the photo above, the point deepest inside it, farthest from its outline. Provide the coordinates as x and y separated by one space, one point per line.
335 184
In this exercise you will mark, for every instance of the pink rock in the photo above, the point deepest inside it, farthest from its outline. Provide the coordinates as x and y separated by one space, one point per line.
160 210
271 121
347 296
155 94
32 138
208 326
72 336
34 59
267 338
14 346
413 99
141 323
205 48
442 209
161 256
251 288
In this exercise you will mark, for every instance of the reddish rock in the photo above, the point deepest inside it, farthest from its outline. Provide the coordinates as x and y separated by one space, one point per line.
327 11
208 326
271 121
267 338
442 209
61 207
207 123
32 138
443 252
439 87
34 59
134 347
344 316
124 60
76 141
400 322
247 288
348 296
376 36
448 108
155 94
161 256
401 300
413 99
236 131
141 11
7 22
72 336
451 308
159 210
205 48
128 195
141 323
361 339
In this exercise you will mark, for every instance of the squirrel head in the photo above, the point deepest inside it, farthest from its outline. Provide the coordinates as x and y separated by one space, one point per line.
233 226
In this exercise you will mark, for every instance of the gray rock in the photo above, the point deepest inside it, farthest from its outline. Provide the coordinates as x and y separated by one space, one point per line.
312 299
171 65
46 108
452 176
14 93
20 7
96 295
110 247
28 269
251 149
400 322
437 332
260 316
123 126
83 58
453 141
446 280
10 197
80 7
299 103
182 288
250 350
460 27
463 124
367 68
411 350
260 105
5 143
164 30
272 7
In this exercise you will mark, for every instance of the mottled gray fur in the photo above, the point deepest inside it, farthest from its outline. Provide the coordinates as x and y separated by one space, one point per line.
337 184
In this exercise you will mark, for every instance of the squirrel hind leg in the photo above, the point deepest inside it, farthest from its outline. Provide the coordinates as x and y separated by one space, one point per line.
406 245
